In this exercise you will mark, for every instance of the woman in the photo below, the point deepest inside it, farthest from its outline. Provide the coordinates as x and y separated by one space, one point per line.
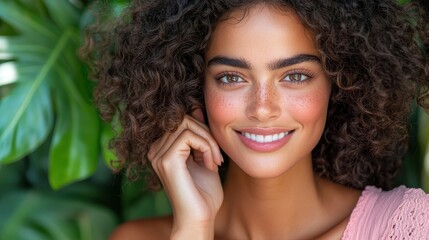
302 104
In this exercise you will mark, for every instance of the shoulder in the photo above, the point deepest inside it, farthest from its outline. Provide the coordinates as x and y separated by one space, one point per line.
156 228
384 214
410 218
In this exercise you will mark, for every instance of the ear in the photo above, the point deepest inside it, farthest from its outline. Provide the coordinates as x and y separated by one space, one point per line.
198 114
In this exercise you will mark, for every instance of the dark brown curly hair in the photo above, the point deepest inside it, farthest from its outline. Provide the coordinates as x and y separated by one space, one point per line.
149 66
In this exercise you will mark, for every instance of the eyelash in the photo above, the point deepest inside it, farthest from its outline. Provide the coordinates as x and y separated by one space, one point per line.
303 72
226 74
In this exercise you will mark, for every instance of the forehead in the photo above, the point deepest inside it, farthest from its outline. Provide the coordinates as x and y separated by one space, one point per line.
261 29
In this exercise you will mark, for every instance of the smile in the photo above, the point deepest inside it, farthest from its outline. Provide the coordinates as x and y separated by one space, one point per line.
265 138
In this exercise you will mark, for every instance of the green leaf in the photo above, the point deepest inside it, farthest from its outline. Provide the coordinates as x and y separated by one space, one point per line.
74 149
26 21
26 120
20 48
31 215
139 202
18 130
45 60
6 29
62 13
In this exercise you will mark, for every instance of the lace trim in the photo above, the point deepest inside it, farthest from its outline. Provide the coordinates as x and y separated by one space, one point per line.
410 220
357 212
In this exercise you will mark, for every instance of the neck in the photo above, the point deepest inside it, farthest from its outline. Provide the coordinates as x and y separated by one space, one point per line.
274 208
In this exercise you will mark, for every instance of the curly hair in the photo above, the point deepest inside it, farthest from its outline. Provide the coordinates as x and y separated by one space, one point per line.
149 67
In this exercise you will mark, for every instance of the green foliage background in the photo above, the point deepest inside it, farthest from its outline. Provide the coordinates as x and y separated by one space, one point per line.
54 182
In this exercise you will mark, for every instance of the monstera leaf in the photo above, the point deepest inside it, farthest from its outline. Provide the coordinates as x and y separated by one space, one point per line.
47 92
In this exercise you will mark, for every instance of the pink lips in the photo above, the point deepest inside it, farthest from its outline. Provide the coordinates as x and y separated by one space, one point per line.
272 145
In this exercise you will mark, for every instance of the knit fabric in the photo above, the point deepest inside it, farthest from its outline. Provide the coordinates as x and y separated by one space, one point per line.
400 214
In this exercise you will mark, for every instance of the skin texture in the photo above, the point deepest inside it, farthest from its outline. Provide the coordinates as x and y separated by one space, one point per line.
267 194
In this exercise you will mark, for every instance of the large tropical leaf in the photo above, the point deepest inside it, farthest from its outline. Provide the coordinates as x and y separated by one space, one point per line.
26 120
51 93
76 132
34 215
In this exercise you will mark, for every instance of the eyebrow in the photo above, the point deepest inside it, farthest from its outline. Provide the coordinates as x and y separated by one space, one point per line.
233 62
281 63
286 62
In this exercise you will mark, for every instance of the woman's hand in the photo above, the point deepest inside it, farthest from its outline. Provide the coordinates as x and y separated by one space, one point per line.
186 161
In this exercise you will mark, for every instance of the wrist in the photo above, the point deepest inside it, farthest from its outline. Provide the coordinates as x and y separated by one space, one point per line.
198 231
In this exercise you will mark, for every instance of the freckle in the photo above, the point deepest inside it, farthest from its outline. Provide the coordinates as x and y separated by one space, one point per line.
302 101
267 93
246 98
223 101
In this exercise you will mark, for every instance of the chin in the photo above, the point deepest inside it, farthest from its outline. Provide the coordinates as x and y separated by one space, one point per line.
264 167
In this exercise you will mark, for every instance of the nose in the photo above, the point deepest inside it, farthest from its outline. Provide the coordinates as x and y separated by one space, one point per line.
263 103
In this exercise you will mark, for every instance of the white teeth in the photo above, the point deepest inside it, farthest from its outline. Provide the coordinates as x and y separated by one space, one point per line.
264 138
275 137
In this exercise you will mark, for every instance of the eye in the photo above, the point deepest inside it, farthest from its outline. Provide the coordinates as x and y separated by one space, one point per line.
230 79
296 77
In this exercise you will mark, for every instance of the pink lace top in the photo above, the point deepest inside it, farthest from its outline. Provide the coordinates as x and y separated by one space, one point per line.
401 213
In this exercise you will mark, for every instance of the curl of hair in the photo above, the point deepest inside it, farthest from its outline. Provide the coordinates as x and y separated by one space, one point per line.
149 67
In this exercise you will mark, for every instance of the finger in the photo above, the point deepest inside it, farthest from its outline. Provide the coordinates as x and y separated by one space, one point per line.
198 158
167 139
156 146
198 128
179 152
199 119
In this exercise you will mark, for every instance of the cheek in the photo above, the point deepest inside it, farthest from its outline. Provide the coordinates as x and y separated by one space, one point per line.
221 107
309 107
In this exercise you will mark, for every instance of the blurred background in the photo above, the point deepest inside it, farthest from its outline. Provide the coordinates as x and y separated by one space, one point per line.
55 182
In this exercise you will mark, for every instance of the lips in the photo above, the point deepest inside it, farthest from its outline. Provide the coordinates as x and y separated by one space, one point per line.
264 140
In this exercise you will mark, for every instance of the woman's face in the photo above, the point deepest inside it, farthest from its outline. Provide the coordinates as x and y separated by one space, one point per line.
265 90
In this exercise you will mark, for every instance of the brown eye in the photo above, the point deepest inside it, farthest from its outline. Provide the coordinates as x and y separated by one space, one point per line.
228 79
296 77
